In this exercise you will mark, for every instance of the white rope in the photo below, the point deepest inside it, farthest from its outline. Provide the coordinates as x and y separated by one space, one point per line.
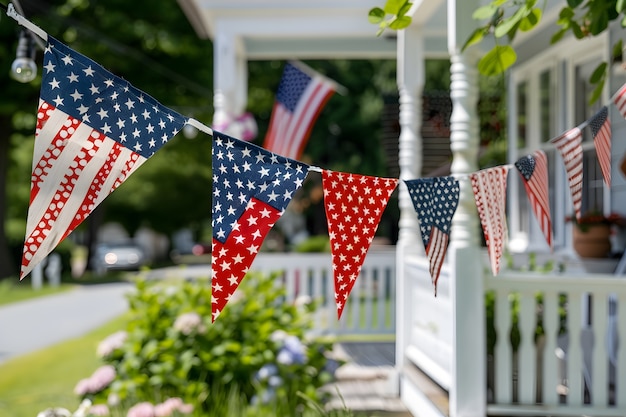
200 126
22 21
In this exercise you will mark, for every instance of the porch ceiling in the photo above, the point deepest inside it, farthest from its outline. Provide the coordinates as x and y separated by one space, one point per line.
321 29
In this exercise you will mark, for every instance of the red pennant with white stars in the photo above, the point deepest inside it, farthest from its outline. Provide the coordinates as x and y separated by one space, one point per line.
354 205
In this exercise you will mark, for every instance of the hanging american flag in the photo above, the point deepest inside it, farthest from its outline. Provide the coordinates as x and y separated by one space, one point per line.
489 186
354 205
569 145
251 189
435 201
534 172
601 129
93 130
301 95
620 100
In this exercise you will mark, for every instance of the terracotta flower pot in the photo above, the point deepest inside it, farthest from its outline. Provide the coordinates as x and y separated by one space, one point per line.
593 242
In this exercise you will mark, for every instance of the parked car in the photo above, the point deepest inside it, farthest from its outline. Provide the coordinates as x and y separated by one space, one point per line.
118 256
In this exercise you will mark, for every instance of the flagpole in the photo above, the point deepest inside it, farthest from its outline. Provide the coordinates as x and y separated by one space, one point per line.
22 21
200 126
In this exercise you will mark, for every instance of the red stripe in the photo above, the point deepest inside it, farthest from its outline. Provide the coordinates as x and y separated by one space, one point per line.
602 142
436 251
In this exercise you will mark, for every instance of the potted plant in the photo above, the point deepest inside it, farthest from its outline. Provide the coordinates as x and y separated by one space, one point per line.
591 233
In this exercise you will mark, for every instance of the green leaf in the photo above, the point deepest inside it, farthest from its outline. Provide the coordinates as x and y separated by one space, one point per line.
598 74
597 92
531 20
394 6
576 29
574 3
405 9
508 24
620 5
474 38
618 50
484 12
400 23
599 24
566 13
623 22
497 60
376 15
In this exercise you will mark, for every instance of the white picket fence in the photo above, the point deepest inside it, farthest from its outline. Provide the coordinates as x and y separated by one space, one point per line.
371 305
576 367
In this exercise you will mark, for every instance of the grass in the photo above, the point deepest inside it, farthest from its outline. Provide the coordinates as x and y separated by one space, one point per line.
34 382
14 291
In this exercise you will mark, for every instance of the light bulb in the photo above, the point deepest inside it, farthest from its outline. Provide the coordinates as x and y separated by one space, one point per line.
24 68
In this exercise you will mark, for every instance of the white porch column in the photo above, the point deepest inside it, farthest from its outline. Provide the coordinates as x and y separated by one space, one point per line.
410 78
468 391
230 79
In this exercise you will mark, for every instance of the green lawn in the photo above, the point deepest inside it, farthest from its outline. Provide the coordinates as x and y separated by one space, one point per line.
31 383
12 291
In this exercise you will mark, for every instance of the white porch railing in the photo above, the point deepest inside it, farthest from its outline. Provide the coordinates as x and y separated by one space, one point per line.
576 366
371 305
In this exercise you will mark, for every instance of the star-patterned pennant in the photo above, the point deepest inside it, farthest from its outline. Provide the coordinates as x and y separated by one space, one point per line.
251 189
354 205
534 172
94 130
435 201
489 186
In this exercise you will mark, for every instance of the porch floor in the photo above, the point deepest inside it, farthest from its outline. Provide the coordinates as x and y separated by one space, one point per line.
367 383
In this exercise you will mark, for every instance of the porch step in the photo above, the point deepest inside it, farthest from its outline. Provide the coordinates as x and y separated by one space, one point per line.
368 381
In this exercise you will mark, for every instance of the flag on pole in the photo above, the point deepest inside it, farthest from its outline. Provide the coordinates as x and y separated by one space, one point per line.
354 205
601 129
94 129
620 100
302 93
435 201
534 172
251 189
569 145
489 186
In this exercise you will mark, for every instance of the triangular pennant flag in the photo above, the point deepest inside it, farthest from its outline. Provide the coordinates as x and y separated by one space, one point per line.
620 100
251 189
489 186
435 201
94 129
569 145
534 172
601 129
354 205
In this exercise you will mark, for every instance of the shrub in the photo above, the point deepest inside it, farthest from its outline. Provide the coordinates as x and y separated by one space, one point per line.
256 351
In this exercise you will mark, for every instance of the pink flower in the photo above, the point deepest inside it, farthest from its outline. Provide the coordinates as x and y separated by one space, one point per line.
169 406
144 409
99 380
99 410
83 387
188 322
112 342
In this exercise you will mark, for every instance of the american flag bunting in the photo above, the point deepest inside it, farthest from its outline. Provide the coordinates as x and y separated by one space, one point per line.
300 98
435 201
601 128
354 205
534 172
489 186
251 189
94 130
569 145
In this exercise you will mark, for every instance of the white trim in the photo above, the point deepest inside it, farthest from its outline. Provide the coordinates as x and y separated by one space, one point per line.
415 400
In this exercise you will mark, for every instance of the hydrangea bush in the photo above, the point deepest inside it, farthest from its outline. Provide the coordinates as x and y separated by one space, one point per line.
256 353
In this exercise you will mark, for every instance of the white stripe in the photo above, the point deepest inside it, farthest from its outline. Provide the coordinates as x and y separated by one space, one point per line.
116 172
47 134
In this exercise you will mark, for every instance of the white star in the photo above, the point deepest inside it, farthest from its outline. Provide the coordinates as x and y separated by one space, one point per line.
109 83
88 71
120 123
217 287
136 133
94 89
67 60
130 104
264 171
82 109
161 124
133 118
123 137
252 220
265 213
253 249
138 147
76 95
50 66
106 128
272 196
146 114
150 128
238 259
256 235
103 113
151 143
233 280
58 101
54 83
114 95
73 78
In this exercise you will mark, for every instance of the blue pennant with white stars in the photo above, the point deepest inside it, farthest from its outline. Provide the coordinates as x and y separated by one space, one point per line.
83 89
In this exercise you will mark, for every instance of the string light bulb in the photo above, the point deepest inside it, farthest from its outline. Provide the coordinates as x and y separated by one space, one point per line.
24 68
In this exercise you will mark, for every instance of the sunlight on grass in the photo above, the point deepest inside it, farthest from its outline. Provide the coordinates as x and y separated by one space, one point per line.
31 383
